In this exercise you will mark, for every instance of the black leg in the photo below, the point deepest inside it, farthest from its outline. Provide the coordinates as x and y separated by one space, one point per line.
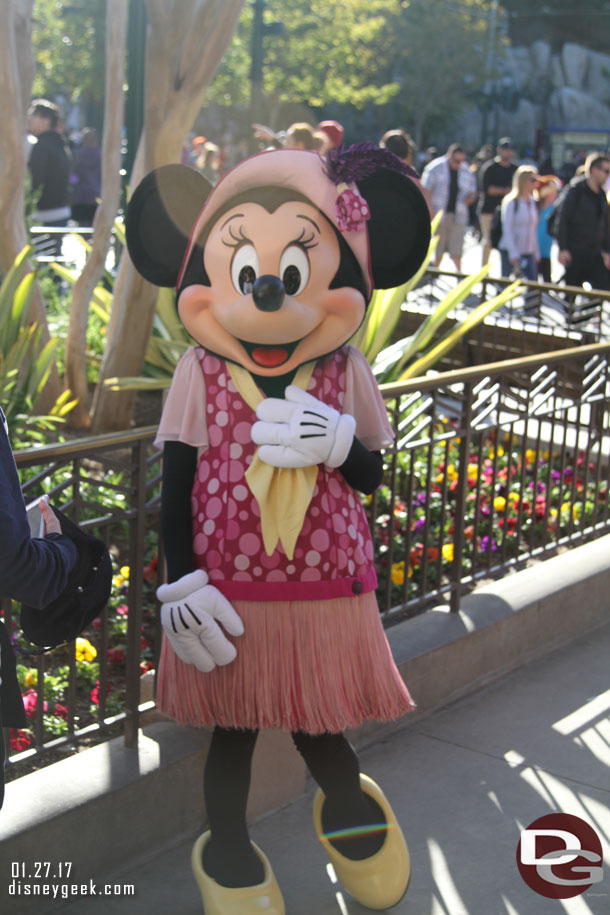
229 857
333 763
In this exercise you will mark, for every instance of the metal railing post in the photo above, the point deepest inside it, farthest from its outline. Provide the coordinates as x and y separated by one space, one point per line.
460 499
137 528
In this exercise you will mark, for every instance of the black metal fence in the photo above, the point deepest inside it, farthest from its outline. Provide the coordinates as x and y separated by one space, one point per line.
492 465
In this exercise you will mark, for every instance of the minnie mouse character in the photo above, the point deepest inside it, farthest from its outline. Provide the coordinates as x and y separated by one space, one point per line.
272 426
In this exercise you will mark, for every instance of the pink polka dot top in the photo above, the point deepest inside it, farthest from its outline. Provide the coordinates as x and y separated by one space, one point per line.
334 552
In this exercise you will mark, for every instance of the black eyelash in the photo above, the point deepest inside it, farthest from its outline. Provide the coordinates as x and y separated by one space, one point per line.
305 242
238 240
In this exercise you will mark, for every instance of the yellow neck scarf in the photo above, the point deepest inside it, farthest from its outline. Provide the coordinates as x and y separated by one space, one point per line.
283 493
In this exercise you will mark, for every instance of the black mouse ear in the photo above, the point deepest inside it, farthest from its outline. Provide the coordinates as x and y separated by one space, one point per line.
399 227
159 220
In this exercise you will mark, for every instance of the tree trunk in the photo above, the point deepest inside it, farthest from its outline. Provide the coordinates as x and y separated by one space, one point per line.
16 75
186 42
76 343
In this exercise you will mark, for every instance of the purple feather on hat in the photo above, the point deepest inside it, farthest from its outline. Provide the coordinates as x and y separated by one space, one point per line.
360 161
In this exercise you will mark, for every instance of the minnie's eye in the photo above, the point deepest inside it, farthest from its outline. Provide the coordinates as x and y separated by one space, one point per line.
244 268
294 269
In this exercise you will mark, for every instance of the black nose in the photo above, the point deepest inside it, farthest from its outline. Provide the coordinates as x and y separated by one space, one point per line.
268 293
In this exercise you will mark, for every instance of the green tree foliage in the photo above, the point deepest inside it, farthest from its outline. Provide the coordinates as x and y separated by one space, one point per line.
68 38
420 58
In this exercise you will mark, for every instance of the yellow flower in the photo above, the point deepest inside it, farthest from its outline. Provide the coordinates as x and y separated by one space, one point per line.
553 512
472 470
530 456
118 580
31 678
366 500
452 473
125 572
500 452
447 551
398 573
85 650
499 503
514 496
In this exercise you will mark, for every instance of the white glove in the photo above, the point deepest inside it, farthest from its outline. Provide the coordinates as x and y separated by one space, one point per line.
301 431
189 610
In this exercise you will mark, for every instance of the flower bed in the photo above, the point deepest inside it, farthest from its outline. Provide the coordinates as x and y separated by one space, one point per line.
516 500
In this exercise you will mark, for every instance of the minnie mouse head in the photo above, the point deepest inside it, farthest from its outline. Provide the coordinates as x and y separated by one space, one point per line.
275 265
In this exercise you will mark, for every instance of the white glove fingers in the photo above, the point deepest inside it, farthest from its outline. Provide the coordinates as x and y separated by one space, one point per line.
198 655
225 613
215 641
274 410
269 433
295 394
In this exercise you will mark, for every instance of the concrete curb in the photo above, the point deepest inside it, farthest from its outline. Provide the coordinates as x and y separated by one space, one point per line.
108 807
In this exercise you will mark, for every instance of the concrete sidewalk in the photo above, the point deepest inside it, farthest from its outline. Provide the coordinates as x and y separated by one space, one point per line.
463 783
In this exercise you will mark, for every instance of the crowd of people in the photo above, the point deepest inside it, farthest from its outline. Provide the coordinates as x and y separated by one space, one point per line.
514 206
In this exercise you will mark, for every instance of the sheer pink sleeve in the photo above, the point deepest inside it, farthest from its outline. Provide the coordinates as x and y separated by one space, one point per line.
183 418
365 403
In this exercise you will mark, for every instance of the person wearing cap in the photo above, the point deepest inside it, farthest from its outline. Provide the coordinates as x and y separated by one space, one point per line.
450 186
495 182
271 427
32 570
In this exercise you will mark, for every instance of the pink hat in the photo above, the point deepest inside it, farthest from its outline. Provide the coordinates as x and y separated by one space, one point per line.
368 195
304 171
333 130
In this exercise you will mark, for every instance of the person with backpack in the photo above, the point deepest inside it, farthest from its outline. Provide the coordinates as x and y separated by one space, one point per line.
583 228
548 190
519 242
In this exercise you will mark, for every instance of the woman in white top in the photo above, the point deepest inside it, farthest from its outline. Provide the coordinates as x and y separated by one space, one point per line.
519 243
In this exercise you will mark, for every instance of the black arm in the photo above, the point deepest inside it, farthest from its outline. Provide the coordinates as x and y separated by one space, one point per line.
362 469
179 466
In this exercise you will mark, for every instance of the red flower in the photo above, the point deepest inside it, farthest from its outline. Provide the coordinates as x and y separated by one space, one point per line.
123 610
145 666
116 655
30 702
61 710
20 740
95 692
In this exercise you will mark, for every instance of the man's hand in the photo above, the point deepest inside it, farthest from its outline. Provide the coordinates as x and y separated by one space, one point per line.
301 431
51 521
564 257
190 610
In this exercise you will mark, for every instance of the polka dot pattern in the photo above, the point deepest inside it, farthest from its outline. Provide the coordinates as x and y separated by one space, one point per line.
335 541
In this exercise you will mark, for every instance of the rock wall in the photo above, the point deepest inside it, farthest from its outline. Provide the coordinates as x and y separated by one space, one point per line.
568 89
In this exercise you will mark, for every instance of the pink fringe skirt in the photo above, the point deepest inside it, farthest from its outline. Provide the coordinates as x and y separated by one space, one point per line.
310 666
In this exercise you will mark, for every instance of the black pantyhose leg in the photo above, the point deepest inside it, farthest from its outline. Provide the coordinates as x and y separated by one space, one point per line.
229 856
334 765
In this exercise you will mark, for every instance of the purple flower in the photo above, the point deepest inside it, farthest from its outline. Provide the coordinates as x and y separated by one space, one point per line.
488 544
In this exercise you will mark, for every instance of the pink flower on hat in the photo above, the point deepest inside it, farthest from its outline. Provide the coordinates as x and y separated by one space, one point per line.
352 209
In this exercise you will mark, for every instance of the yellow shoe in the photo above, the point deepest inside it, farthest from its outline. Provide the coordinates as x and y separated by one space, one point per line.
263 899
380 881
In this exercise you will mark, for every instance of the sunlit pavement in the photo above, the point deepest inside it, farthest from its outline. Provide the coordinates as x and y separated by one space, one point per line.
463 782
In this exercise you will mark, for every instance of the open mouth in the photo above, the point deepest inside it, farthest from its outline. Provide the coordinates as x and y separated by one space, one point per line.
270 356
